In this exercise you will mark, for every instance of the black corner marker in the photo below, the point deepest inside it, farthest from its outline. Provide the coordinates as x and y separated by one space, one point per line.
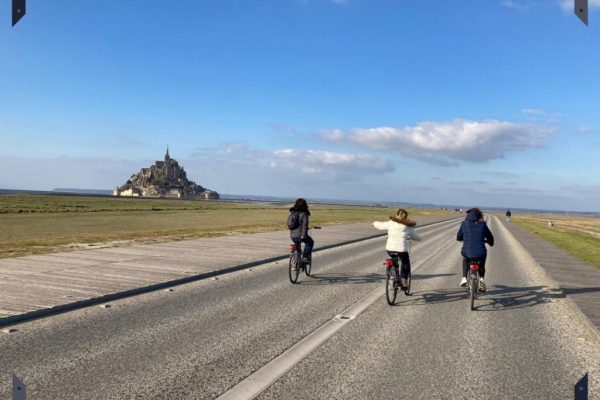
581 10
18 10
581 388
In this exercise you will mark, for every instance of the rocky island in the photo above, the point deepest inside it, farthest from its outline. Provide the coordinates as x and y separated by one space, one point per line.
164 179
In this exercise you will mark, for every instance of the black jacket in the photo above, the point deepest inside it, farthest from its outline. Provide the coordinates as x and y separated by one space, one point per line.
474 234
302 229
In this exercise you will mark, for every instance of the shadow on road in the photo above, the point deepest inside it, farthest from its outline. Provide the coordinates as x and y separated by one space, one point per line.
328 279
568 291
420 277
497 297
325 279
508 297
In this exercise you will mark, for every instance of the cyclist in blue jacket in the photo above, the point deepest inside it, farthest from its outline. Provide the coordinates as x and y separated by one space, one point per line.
474 233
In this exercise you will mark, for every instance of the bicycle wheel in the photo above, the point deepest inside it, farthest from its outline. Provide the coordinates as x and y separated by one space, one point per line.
294 268
473 287
308 267
391 287
407 288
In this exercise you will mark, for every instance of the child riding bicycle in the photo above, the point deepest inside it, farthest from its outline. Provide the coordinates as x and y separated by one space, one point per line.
400 230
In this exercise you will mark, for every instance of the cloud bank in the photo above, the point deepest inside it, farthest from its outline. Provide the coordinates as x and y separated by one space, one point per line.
330 165
319 164
447 142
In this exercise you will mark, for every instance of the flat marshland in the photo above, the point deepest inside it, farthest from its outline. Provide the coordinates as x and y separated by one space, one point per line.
578 235
35 224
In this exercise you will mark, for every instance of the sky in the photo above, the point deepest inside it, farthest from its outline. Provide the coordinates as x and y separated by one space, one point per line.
491 103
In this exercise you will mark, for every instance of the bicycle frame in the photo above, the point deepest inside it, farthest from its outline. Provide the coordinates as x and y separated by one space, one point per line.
296 252
389 263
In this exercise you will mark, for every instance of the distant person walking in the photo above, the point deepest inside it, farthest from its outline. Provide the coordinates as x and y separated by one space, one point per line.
298 226
474 233
508 215
400 230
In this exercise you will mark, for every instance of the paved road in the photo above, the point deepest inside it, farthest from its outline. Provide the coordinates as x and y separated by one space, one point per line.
37 285
202 339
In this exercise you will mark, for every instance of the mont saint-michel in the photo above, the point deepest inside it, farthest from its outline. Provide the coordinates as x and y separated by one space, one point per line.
164 179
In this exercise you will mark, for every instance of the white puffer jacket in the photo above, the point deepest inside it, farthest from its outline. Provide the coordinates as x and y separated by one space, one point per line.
398 235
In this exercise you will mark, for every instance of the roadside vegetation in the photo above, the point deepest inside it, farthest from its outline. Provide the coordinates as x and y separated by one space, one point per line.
579 236
34 224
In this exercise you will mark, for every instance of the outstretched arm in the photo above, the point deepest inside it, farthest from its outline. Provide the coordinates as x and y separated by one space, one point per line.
414 235
382 226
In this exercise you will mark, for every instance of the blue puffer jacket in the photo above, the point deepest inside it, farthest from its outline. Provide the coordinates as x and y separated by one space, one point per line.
474 234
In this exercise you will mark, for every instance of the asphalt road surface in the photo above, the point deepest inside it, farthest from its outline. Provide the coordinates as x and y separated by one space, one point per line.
331 336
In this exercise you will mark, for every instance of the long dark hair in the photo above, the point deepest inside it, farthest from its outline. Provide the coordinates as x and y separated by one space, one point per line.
477 212
300 206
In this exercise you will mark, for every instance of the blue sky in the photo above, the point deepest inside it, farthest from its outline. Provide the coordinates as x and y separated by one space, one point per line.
463 102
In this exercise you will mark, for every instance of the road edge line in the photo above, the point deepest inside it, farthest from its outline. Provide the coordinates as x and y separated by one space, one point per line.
63 308
261 379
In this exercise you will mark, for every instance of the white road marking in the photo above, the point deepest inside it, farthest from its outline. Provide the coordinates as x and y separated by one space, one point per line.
263 378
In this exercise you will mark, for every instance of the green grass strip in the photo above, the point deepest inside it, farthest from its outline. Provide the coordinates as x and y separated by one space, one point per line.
35 224
585 247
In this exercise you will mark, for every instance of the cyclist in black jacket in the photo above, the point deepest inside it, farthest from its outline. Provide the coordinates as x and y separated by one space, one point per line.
300 234
474 233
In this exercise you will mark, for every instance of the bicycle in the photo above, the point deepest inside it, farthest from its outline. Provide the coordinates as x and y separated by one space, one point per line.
296 263
473 281
392 282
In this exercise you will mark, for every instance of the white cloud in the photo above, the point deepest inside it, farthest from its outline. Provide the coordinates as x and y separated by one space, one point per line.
519 5
230 151
330 165
568 5
321 164
526 5
588 130
446 142
532 111
285 129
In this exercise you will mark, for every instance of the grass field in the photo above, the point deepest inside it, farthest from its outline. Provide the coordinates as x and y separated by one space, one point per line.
580 236
40 224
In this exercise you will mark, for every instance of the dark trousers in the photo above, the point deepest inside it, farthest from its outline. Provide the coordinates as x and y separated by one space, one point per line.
404 260
481 266
308 245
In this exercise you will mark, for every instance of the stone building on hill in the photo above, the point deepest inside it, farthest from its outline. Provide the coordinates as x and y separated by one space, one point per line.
164 179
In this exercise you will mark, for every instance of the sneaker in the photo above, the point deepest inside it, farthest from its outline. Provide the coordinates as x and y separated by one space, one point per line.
463 281
403 282
482 287
305 260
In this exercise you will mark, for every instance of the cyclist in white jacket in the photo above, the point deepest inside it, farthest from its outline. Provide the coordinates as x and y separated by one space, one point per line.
400 230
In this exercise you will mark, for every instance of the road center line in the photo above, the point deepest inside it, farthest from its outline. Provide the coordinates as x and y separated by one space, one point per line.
264 377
